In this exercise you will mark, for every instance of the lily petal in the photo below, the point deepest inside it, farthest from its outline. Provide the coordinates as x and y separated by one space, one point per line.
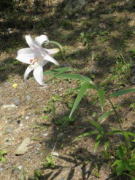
25 55
24 51
29 69
52 51
50 59
41 39
32 43
38 74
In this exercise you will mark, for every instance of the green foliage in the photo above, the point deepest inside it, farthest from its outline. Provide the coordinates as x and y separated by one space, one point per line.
101 96
84 87
104 116
122 92
123 155
49 162
132 106
2 155
121 71
124 162
64 121
37 174
100 135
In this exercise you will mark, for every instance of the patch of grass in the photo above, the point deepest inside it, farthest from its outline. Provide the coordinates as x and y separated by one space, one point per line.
2 155
37 174
64 121
120 72
49 162
132 106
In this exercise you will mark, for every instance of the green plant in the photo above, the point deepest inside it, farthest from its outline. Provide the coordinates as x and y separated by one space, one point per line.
64 121
86 38
124 163
101 135
37 174
2 155
121 70
49 162
132 106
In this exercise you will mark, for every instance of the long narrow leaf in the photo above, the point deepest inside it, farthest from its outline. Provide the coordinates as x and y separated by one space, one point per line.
96 146
75 77
59 70
101 96
104 116
90 133
122 92
96 125
79 97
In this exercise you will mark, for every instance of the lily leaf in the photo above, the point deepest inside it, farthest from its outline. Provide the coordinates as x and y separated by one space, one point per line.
75 77
122 92
84 87
101 96
104 116
59 70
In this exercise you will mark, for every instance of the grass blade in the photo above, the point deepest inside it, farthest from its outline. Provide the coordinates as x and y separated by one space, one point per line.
122 92
75 77
104 116
80 95
59 70
101 96
96 125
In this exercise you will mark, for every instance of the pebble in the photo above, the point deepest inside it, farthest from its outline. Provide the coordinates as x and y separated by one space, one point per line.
1 169
23 147
16 101
27 117
28 98
55 154
20 167
8 106
45 134
9 130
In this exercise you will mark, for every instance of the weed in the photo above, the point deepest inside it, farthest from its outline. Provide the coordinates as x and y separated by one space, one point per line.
132 106
121 71
123 162
2 155
49 162
64 121
37 174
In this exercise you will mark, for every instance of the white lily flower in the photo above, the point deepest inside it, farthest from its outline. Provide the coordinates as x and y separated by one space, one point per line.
36 56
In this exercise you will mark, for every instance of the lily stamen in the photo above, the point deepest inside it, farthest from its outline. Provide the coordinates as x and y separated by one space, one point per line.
33 61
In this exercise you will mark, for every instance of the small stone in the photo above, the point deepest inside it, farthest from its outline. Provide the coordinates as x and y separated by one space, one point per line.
1 169
55 154
16 101
23 147
27 117
28 98
8 141
8 106
20 167
45 134
9 130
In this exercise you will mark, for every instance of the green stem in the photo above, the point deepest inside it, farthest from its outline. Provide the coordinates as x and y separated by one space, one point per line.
60 47
127 144
116 113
